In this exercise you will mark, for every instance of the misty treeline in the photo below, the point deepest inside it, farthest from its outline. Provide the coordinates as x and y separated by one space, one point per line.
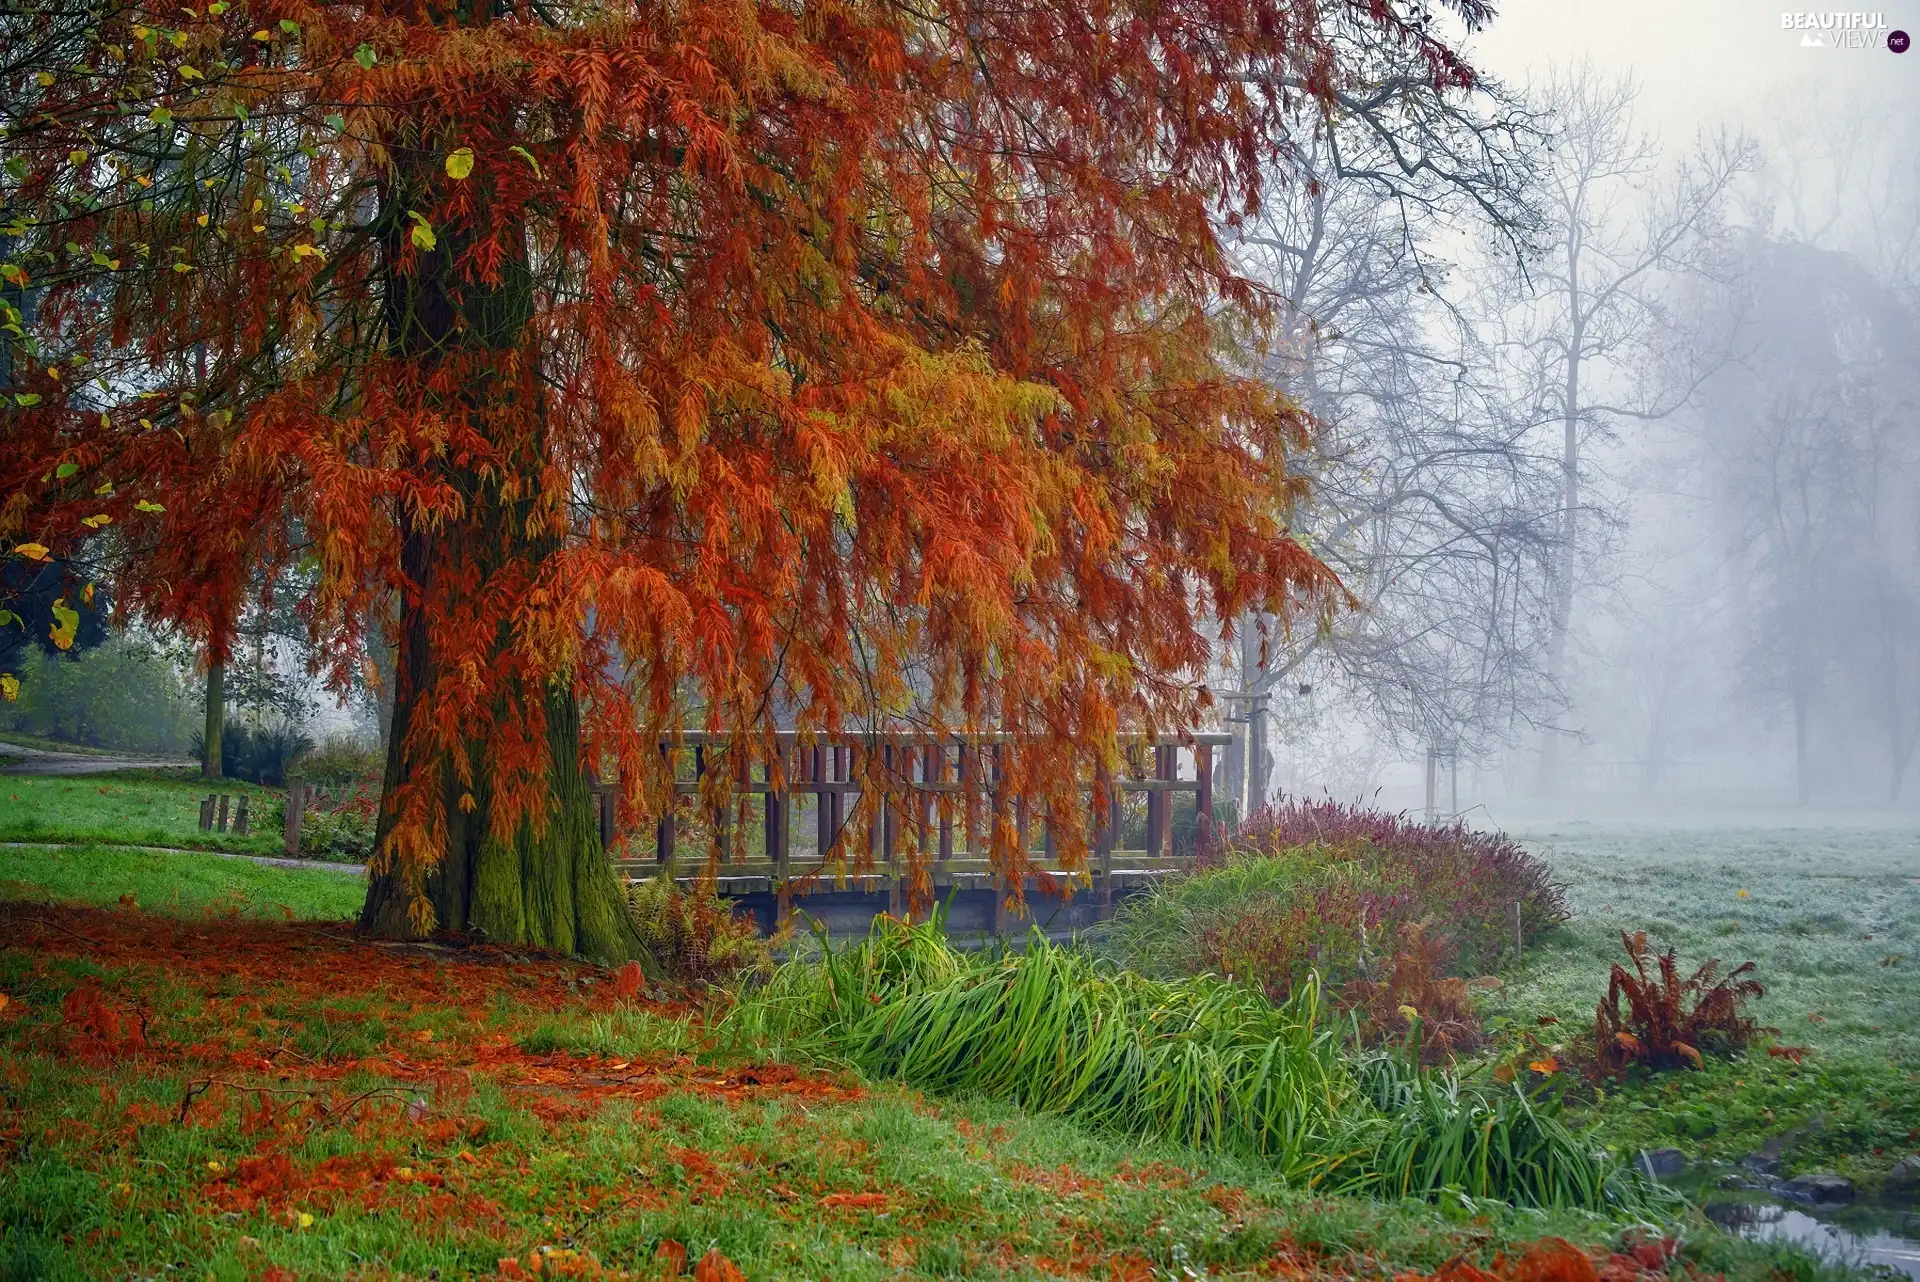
1617 454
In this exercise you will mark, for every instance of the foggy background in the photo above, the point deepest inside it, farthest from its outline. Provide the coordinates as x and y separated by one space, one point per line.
1692 577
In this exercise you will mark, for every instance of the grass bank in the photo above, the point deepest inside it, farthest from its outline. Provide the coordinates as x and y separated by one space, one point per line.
180 884
131 808
1831 917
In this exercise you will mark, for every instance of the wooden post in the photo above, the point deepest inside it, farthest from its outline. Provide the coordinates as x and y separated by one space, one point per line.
938 760
206 814
1106 833
837 801
296 810
1160 804
220 822
822 810
667 833
888 825
240 816
778 809
1203 799
996 779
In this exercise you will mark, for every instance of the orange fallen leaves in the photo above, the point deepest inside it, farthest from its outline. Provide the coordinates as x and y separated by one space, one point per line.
856 1201
715 1267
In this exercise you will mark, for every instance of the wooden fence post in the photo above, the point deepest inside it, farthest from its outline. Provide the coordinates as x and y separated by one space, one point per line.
779 833
220 822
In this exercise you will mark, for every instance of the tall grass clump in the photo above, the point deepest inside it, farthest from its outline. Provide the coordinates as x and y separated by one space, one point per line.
1199 1061
1317 887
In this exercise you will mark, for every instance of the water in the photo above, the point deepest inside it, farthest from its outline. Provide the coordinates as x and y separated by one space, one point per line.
1863 1233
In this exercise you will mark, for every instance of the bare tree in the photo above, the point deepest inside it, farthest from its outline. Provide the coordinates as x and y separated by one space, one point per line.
1813 444
1587 322
1426 498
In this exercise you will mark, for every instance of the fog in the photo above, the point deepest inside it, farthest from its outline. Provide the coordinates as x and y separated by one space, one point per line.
1690 582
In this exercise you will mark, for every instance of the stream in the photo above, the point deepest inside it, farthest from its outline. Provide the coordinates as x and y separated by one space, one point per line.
1866 1231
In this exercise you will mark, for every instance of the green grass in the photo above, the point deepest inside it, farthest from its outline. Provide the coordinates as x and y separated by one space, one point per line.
176 883
131 808
379 1113
1831 917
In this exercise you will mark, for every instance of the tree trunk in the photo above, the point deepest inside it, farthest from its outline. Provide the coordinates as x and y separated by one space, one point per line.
210 767
549 884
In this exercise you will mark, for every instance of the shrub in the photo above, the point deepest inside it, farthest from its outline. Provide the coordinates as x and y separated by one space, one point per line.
693 935
340 834
341 760
257 754
1659 1028
1318 887
1416 1001
126 695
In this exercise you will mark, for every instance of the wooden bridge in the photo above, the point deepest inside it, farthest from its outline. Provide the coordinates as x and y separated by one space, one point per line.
788 813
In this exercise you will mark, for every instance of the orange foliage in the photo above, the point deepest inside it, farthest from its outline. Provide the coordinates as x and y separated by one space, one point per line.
696 362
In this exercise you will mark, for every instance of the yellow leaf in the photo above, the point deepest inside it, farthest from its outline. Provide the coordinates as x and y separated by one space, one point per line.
9 690
13 275
263 34
183 267
1742 894
66 624
201 220
460 164
190 72
1546 1067
95 522
77 158
45 78
86 594
421 233
145 505
306 1221
32 551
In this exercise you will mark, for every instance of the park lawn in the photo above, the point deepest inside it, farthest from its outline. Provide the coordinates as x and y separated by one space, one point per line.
228 1097
1830 916
179 883
132 808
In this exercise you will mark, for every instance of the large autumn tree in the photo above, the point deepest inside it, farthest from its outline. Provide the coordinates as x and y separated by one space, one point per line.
651 365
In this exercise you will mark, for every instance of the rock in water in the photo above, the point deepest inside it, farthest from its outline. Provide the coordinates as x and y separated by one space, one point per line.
1662 1162
1818 1189
1905 1175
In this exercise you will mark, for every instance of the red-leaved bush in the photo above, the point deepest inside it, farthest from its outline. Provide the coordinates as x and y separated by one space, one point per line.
1447 874
1353 895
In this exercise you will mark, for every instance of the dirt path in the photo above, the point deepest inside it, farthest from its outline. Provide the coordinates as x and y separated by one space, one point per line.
18 759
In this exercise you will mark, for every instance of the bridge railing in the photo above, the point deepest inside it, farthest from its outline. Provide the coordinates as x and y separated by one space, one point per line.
925 778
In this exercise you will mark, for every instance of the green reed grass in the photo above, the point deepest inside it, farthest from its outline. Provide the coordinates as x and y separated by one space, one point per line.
1201 1061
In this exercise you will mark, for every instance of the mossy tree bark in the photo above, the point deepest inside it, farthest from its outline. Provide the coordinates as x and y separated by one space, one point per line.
545 884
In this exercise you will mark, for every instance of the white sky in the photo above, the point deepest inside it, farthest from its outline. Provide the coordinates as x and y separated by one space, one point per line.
1704 62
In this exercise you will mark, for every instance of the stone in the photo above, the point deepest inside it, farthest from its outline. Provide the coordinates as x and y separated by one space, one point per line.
1905 1175
1662 1162
1819 1188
